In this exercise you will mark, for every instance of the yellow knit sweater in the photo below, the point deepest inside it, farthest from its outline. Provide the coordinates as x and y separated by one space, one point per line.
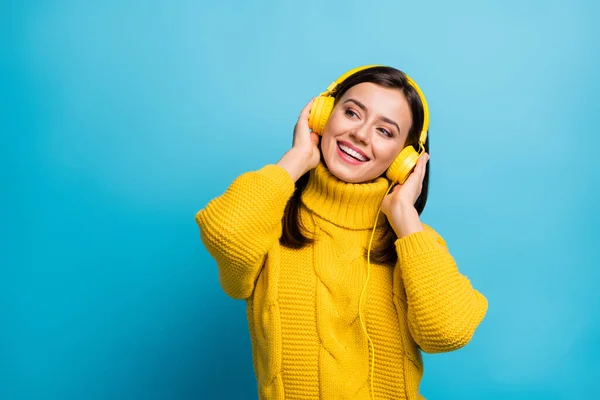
302 305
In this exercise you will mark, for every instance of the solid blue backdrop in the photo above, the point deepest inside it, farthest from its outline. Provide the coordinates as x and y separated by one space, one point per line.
119 120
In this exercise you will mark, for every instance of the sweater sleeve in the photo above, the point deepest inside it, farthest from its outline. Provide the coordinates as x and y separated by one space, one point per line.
443 308
239 227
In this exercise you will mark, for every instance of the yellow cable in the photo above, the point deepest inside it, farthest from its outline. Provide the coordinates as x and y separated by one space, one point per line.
363 291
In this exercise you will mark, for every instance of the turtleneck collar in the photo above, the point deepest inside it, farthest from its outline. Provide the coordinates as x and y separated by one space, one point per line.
349 205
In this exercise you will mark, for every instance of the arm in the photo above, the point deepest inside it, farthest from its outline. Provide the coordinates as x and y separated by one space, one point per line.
240 226
443 308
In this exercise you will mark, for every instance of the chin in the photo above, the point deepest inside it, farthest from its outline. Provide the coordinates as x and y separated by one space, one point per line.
350 173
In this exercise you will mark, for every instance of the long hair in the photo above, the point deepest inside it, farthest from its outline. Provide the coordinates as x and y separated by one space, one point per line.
294 235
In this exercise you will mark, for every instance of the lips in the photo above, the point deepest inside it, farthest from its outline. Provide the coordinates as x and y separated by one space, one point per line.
355 149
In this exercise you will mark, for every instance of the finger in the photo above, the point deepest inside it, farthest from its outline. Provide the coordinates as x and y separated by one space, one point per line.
418 171
421 171
425 161
306 110
385 204
304 116
414 174
314 137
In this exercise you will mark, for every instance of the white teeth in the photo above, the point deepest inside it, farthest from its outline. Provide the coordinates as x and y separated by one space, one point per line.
352 153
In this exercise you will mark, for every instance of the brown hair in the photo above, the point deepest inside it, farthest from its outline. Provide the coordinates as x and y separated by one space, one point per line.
293 233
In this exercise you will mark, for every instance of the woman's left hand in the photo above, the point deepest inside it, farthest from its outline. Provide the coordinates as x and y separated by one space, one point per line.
403 197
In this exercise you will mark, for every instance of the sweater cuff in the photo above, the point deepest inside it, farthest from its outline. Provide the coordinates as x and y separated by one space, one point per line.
416 243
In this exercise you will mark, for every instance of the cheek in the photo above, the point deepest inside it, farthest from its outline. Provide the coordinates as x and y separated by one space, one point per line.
327 144
326 137
336 122
386 151
328 141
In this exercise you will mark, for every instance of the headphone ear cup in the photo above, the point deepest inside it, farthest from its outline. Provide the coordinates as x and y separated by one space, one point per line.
319 113
403 165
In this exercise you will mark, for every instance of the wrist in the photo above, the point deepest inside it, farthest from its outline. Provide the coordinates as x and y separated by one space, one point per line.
294 163
406 221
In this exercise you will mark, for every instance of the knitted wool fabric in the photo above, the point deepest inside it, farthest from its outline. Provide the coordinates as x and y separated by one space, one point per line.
303 305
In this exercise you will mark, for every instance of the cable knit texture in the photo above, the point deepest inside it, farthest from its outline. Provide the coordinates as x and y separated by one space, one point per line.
303 305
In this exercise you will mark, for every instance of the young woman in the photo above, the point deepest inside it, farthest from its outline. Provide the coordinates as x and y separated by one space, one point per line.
342 299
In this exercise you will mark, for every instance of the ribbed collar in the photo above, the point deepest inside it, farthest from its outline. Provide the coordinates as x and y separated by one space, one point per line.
350 205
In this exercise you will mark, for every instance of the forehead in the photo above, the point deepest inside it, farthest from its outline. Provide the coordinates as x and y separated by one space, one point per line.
380 100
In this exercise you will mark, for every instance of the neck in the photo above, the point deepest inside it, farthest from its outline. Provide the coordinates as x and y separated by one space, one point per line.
350 205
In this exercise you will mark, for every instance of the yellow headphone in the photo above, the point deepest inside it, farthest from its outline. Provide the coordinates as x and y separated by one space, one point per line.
404 163
398 172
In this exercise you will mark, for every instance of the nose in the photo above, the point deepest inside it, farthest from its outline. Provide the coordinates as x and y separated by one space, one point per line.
361 134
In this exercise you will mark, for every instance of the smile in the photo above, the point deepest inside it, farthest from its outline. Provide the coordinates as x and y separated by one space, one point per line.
351 154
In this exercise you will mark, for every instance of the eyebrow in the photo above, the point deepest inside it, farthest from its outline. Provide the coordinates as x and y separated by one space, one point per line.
364 108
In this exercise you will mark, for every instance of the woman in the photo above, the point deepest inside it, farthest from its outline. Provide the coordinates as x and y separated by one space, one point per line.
341 299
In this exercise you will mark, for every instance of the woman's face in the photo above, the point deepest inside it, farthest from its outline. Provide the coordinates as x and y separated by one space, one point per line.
367 129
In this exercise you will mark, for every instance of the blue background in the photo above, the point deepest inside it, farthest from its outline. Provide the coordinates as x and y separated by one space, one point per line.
119 120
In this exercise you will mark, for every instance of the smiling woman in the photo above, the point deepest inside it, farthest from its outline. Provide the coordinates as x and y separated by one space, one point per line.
294 240
360 142
387 90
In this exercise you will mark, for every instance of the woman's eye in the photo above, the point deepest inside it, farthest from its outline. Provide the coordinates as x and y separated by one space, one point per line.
351 113
385 132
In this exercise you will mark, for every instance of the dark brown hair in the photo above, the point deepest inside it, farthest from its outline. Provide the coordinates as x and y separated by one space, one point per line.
294 234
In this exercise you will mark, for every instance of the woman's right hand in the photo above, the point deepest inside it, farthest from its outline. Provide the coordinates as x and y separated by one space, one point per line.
305 141
304 154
